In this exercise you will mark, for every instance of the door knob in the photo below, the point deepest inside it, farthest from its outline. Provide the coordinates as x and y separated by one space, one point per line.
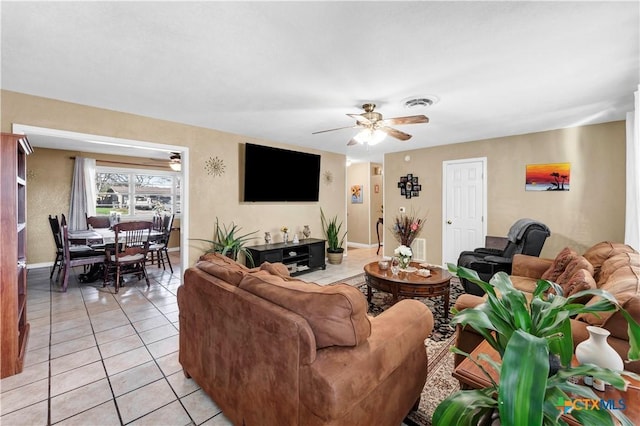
449 222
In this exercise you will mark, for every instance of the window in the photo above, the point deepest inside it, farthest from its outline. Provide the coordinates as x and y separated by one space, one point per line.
132 192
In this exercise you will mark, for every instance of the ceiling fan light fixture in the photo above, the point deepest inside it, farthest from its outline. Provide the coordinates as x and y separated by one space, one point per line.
175 162
370 136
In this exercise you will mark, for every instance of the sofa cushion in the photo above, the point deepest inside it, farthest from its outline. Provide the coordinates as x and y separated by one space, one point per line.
225 272
624 285
600 252
616 262
559 264
336 313
574 266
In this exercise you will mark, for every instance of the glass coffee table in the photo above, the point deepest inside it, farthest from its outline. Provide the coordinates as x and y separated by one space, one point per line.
409 284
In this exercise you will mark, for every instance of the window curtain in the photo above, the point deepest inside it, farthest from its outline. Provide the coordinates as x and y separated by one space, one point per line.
83 193
632 214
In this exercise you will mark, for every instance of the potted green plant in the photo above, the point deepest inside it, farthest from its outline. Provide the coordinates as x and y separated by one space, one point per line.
331 229
227 241
527 393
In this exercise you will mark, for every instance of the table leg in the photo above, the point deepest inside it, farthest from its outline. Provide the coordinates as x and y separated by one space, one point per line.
446 302
369 293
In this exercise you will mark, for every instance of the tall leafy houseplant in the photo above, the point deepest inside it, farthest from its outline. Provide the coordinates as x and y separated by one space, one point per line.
525 333
227 241
331 229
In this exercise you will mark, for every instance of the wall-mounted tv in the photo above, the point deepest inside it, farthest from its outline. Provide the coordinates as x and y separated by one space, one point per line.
275 174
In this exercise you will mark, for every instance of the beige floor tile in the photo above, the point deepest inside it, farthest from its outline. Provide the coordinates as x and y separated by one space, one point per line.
35 414
24 396
71 346
134 378
219 420
35 373
115 334
169 364
119 346
104 415
69 324
126 360
144 400
72 333
181 385
78 400
169 307
142 314
158 333
148 324
35 356
173 316
171 414
109 322
164 347
74 360
199 406
77 377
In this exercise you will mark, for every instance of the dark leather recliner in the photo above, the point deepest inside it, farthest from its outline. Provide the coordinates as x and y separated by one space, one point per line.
526 236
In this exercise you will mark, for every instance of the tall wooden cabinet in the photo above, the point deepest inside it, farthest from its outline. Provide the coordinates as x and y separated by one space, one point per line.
14 328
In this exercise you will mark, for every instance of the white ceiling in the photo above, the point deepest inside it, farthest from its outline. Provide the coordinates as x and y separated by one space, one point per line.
282 70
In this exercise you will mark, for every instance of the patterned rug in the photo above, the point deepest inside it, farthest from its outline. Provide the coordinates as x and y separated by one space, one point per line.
440 383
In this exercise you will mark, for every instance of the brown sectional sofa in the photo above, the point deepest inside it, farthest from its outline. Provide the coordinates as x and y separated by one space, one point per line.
614 267
272 350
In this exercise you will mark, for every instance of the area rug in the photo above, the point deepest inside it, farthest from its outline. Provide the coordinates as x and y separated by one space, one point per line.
440 383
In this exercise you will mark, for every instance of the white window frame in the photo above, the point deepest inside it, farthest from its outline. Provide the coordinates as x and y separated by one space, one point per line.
131 171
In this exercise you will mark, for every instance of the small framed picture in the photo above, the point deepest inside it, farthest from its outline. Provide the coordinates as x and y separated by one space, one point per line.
403 191
415 193
408 194
408 186
417 187
414 180
410 177
404 179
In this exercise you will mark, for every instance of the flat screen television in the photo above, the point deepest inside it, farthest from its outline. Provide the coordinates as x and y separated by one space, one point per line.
275 174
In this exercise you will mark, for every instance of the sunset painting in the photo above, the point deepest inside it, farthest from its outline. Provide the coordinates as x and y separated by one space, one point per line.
548 177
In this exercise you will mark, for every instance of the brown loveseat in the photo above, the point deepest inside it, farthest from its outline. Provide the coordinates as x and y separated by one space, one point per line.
610 266
273 350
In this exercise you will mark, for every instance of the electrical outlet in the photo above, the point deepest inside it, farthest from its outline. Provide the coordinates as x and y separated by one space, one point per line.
402 210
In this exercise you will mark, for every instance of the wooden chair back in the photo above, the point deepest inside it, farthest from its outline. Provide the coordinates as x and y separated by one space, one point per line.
54 224
131 240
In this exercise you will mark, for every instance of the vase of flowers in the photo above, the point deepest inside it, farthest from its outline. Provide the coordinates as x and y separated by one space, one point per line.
403 253
406 228
285 234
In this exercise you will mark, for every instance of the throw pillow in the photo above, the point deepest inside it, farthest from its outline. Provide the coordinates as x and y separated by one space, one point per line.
579 281
279 269
336 313
559 264
575 265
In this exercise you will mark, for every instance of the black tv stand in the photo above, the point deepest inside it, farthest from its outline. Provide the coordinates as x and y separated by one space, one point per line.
305 256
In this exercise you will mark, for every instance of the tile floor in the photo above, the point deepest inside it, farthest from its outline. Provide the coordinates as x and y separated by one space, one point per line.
99 358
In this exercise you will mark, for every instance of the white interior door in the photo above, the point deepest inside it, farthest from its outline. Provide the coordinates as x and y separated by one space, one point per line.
465 207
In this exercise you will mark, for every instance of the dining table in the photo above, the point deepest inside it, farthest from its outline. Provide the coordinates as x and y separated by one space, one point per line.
98 239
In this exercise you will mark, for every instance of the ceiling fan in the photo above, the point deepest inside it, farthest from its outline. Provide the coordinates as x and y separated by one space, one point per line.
175 161
375 128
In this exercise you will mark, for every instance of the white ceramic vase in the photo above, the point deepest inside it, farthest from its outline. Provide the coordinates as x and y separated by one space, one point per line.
597 351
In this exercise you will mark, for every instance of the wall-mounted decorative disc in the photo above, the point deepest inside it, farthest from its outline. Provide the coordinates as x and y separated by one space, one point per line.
214 166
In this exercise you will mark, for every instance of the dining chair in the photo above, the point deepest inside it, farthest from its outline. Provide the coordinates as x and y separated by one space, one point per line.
54 224
129 253
160 247
77 256
97 221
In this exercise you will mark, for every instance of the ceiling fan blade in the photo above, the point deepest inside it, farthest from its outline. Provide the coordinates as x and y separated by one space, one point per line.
331 130
352 142
411 119
396 133
360 119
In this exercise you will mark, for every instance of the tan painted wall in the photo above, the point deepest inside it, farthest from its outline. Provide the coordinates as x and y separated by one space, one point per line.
592 211
210 197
